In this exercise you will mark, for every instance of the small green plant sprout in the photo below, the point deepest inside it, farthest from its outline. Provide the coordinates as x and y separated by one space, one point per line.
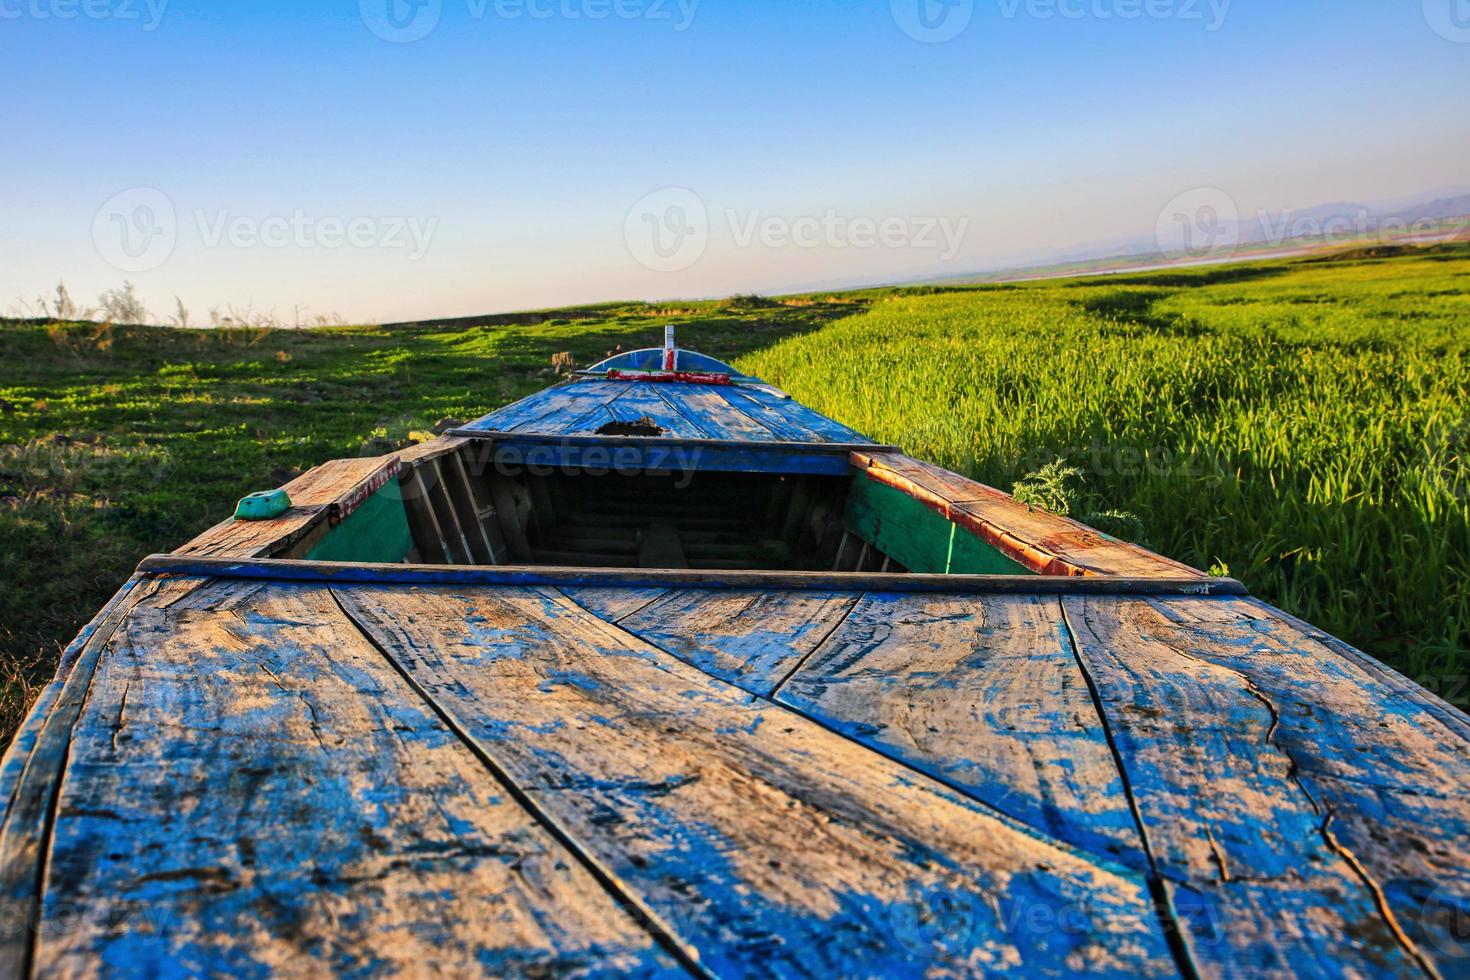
1062 490
1055 488
1219 569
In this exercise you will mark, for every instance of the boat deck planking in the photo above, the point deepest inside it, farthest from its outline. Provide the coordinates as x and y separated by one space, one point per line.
362 769
738 413
254 764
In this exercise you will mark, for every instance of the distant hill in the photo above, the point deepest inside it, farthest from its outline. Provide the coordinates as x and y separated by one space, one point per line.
1296 231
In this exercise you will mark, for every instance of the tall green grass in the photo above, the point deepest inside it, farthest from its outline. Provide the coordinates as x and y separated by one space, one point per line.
1304 423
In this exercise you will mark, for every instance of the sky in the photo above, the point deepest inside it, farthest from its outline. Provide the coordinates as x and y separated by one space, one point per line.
384 160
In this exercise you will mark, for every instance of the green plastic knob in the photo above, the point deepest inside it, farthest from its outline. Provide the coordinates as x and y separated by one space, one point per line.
263 506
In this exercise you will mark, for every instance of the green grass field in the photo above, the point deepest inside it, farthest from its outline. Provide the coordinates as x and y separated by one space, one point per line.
1304 423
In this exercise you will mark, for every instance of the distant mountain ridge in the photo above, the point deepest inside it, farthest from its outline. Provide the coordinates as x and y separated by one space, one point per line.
1336 221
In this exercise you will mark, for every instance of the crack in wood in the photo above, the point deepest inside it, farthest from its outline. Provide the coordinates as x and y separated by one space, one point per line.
1164 906
640 913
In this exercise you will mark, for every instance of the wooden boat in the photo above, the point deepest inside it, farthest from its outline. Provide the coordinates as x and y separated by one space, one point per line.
660 672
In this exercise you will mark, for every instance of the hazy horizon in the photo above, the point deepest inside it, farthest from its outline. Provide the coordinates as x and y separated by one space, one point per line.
368 159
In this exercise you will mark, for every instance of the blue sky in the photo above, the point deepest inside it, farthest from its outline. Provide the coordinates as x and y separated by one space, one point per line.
521 152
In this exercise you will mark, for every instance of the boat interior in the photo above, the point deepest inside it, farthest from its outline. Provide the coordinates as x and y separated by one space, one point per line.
461 508
457 510
667 460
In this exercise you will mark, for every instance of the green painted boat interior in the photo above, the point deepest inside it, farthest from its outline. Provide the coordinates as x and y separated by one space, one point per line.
919 537
377 532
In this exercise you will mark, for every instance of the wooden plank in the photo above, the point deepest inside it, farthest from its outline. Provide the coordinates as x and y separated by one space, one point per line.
434 449
750 638
325 494
565 401
582 411
254 790
1451 716
457 482
1216 769
475 463
31 777
983 693
509 516
787 417
714 414
540 454
428 536
1390 780
306 571
1041 541
454 533
639 400
613 604
769 844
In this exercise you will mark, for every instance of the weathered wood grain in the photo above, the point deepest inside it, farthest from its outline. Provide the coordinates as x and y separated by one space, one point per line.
769 844
456 536
1389 779
1218 775
644 401
562 410
283 570
551 409
745 412
327 493
32 771
434 449
984 693
1043 542
788 418
713 414
253 789
461 493
750 638
1449 715
613 604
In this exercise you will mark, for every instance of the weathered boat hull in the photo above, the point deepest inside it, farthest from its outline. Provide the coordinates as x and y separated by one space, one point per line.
946 734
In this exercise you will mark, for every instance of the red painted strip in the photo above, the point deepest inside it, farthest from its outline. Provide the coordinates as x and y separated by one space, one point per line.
670 377
359 495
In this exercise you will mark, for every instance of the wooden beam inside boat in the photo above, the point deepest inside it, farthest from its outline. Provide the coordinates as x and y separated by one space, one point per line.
514 453
311 571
